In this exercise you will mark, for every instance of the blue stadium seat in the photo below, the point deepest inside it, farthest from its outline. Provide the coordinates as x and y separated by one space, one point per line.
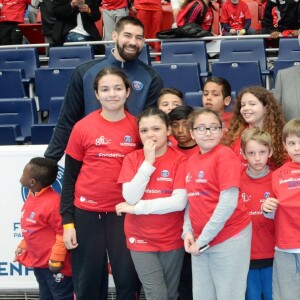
186 52
19 111
41 133
245 50
144 56
183 76
69 56
22 58
9 134
193 99
51 83
11 85
238 74
289 49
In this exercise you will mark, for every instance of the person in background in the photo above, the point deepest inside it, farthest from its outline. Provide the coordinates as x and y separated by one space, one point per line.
94 155
217 96
153 187
287 91
256 107
42 247
284 208
11 14
48 20
75 22
169 98
180 130
112 12
217 228
288 19
236 18
187 145
150 11
80 97
256 187
198 11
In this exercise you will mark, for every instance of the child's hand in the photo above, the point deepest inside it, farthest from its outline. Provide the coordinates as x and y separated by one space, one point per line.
189 240
55 266
18 252
70 239
194 249
149 151
124 207
270 205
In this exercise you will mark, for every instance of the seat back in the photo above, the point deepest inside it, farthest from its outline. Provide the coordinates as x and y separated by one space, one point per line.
9 134
244 50
144 55
185 52
238 74
41 133
11 85
23 58
69 56
19 111
183 76
289 49
51 83
193 99
55 107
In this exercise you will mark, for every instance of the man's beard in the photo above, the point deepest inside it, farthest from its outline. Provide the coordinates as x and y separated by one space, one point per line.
128 56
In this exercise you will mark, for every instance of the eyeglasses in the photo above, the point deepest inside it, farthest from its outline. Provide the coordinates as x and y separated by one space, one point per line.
212 129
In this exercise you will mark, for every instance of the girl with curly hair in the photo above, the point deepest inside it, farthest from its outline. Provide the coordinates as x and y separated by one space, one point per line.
257 107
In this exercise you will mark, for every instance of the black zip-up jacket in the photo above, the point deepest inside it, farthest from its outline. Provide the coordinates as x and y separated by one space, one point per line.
288 17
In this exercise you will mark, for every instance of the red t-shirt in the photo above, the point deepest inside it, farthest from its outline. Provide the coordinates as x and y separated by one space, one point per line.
235 15
286 186
207 175
114 4
101 145
13 11
155 232
253 193
40 223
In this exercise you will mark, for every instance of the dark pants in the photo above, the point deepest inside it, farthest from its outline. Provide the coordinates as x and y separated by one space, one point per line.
99 235
53 286
10 34
185 288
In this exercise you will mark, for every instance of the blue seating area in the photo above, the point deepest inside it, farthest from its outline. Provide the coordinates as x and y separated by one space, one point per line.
184 64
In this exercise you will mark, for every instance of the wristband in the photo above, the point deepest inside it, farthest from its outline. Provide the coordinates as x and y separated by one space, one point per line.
55 264
69 226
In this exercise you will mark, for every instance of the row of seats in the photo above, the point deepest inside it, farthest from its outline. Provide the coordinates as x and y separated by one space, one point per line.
19 121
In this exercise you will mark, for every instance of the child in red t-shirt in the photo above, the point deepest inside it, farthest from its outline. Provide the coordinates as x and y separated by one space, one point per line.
153 187
257 107
217 229
168 99
285 210
94 155
236 18
42 247
256 186
217 96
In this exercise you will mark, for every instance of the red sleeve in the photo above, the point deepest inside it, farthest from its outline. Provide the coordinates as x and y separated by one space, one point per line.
129 168
246 11
224 18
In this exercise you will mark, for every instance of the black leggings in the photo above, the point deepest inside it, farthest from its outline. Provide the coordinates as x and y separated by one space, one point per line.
99 235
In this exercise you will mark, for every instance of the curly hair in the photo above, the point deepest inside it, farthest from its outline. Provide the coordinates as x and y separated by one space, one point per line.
273 122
